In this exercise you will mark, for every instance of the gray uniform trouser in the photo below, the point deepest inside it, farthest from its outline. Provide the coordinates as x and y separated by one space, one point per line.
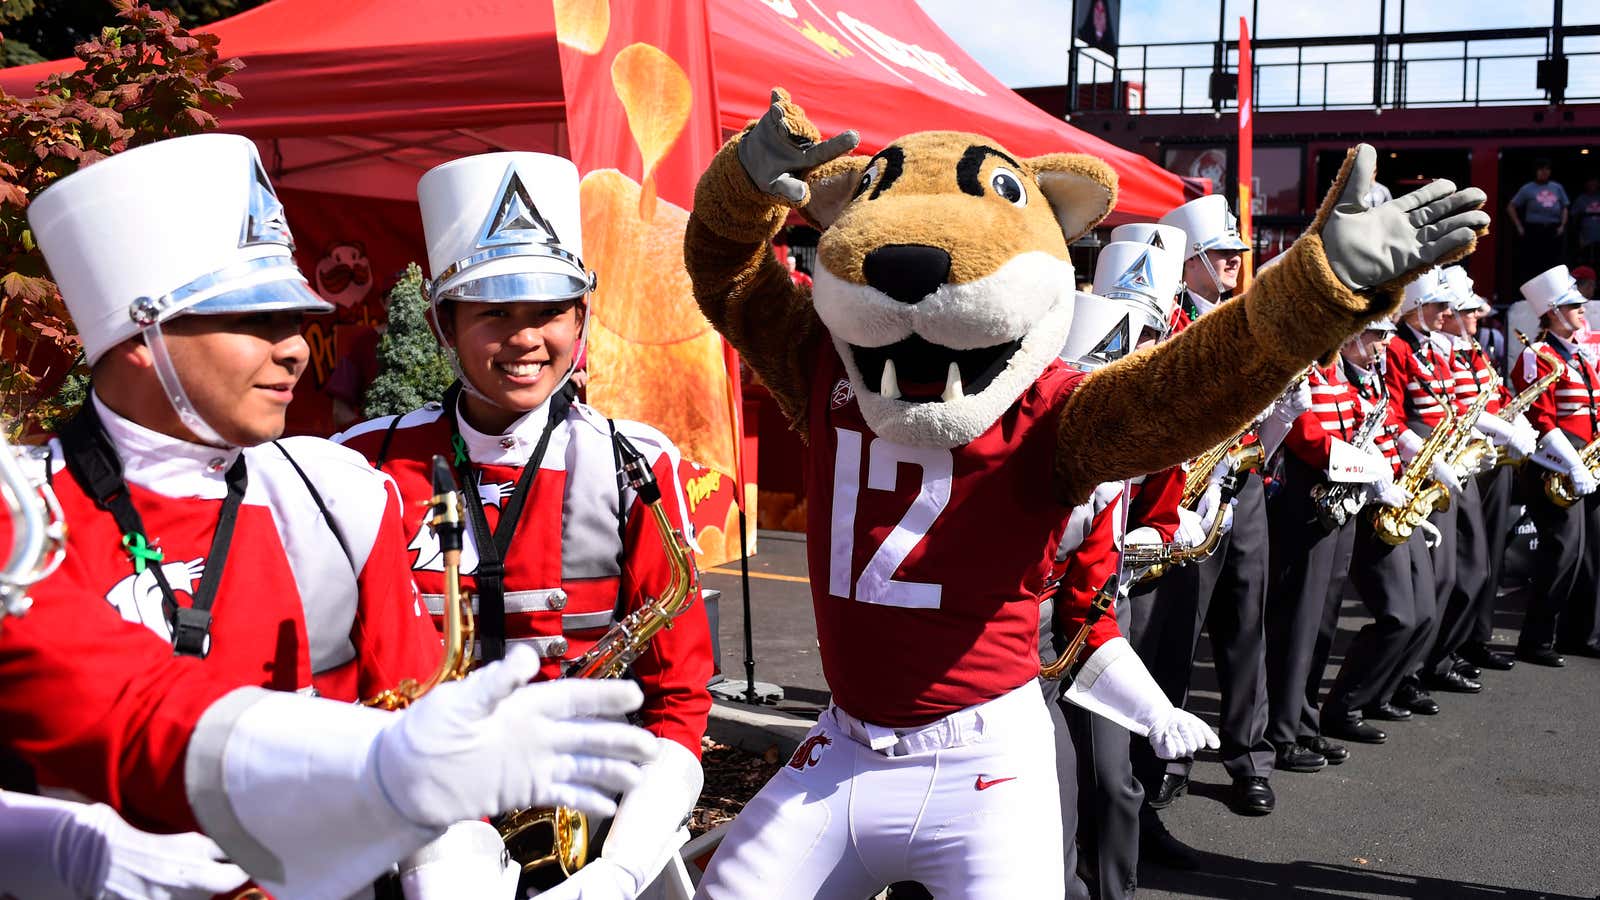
1310 566
1458 607
1395 584
1494 487
1564 581
1225 595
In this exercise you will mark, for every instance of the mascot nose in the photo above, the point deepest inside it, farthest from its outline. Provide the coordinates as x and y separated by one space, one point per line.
907 272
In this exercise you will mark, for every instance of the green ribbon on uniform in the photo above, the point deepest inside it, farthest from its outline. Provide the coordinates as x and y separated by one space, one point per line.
138 550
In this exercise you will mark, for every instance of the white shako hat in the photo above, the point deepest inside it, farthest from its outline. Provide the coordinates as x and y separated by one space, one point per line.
1382 323
1208 224
1431 287
1466 300
504 227
1551 288
1166 237
1133 289
187 225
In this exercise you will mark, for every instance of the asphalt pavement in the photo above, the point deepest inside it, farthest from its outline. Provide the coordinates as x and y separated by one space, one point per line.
1493 799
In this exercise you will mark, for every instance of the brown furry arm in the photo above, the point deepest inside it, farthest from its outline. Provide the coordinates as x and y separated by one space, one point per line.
742 288
1161 406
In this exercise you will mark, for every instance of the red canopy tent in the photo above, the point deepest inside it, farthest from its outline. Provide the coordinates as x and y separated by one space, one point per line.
350 102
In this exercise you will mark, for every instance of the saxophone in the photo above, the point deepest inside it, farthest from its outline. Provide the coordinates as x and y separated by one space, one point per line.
1520 403
1394 525
1241 458
445 518
1336 502
540 837
1474 453
38 532
1103 599
1558 485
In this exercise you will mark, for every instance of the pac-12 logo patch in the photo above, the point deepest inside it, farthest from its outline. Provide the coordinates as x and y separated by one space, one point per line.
842 394
809 752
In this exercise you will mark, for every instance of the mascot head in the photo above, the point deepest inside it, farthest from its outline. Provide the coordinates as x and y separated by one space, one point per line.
943 275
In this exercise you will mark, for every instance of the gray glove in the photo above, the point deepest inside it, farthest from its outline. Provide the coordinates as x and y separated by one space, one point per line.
1371 247
776 158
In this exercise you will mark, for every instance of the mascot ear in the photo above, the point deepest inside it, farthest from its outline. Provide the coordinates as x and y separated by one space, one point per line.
832 185
1081 189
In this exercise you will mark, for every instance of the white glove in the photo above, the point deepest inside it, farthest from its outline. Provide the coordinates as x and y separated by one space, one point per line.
1583 481
1444 473
321 797
1496 429
470 860
647 830
1280 418
1409 444
1387 493
73 850
1146 536
1525 442
1116 685
1207 507
1191 528
1557 453
1431 537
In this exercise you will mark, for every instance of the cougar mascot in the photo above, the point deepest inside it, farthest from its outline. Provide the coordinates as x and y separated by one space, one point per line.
946 446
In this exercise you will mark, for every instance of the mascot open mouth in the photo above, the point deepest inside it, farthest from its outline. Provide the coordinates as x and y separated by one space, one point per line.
918 371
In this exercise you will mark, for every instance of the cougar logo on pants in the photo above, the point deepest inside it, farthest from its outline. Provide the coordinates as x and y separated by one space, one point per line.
809 753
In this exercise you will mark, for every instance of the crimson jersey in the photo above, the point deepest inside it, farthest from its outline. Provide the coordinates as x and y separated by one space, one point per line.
943 553
354 629
1339 406
569 567
1419 377
1475 374
1569 403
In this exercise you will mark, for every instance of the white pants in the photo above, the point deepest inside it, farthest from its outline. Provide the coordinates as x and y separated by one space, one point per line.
967 806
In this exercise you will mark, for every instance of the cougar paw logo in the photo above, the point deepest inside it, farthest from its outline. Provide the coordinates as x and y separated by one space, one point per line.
809 753
494 493
137 597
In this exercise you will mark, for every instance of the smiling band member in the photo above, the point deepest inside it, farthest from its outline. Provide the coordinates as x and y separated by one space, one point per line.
556 551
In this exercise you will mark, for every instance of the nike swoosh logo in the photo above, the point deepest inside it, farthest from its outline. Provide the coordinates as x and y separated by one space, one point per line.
985 785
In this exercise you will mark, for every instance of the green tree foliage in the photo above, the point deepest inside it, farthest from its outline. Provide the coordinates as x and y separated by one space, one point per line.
50 29
412 367
141 80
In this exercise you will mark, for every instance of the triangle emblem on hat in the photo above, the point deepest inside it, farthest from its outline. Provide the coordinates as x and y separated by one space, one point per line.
1114 346
264 221
1155 240
515 219
1138 277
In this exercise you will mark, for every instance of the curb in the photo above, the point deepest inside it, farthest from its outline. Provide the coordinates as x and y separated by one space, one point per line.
756 729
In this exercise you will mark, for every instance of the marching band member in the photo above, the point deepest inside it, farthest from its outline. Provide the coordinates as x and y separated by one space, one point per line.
1564 581
557 551
1395 583
1226 592
169 666
1494 486
1135 282
1420 380
1336 462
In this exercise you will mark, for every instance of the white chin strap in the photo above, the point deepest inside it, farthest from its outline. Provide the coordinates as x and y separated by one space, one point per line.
1216 283
176 395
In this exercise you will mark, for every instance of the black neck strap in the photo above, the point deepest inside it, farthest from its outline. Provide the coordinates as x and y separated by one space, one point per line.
492 548
93 462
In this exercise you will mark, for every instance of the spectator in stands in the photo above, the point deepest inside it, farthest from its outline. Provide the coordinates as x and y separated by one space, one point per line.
1539 213
1587 210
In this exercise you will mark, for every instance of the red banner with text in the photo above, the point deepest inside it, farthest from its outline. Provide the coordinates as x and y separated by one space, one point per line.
642 124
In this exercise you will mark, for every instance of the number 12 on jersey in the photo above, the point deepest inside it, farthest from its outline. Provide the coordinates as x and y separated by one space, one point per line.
876 583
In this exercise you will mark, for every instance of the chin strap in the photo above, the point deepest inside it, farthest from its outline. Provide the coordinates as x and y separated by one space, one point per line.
176 395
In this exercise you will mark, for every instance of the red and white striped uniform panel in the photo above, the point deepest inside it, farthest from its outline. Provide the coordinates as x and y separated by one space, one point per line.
1418 378
1474 373
1569 404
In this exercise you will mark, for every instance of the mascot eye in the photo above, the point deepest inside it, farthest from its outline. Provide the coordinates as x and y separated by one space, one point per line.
867 180
1008 185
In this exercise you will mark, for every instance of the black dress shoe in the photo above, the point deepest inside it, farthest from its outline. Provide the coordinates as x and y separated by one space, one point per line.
1541 656
1385 712
1333 753
1584 649
1484 657
1252 796
1414 698
1172 787
1466 669
1298 758
1347 729
1157 845
1454 682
